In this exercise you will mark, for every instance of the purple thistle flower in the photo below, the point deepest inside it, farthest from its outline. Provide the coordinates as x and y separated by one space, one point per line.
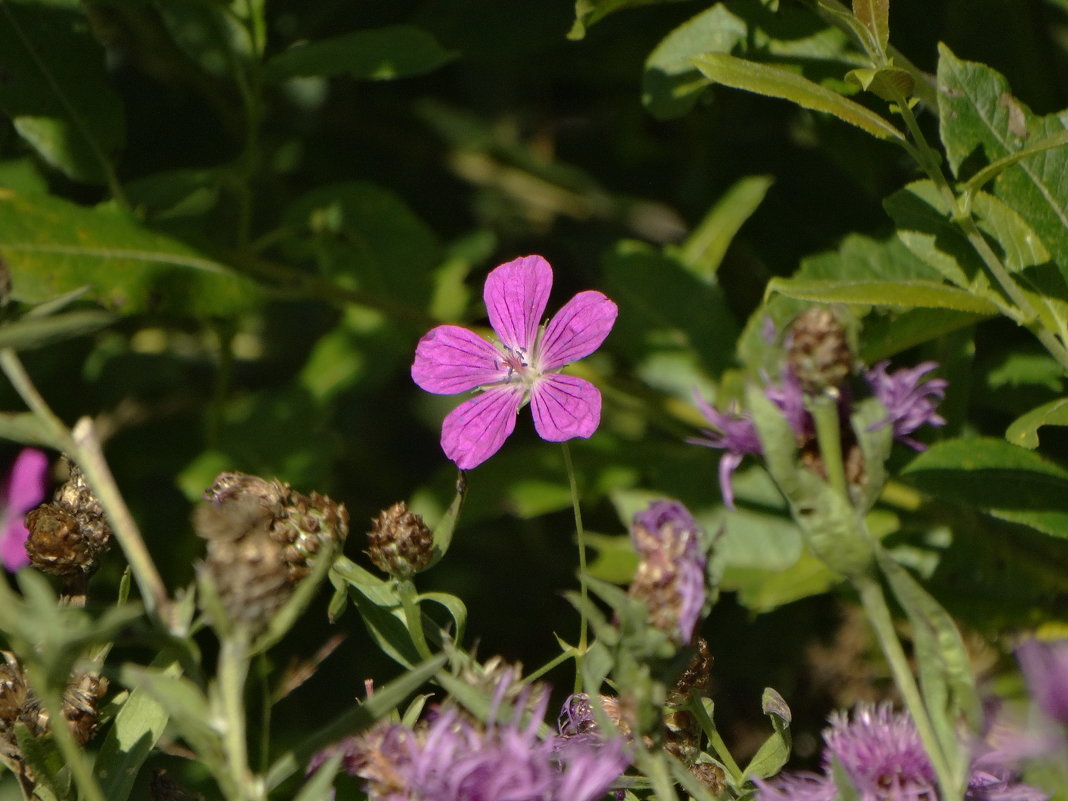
880 753
910 403
449 757
23 489
1045 667
671 574
523 367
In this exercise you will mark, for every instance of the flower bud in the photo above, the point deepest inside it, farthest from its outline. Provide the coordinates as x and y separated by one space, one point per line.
68 536
400 543
819 355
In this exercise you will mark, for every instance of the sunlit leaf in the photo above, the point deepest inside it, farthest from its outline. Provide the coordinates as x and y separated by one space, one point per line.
1023 430
778 82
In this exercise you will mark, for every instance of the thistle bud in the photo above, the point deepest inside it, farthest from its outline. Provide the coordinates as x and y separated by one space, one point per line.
262 538
400 543
68 536
819 355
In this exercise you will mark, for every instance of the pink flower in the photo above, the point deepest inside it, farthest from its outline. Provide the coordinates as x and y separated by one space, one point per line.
523 367
23 489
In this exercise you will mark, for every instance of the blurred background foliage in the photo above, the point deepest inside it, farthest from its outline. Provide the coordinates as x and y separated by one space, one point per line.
276 212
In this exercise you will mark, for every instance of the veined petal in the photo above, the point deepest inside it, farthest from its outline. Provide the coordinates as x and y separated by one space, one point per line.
451 359
564 407
515 295
476 429
577 330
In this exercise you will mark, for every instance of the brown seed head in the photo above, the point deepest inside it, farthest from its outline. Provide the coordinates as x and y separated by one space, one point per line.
399 542
819 355
68 536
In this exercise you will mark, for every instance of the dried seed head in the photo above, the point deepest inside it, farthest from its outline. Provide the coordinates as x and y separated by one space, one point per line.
69 535
711 776
697 677
262 537
819 355
400 543
80 704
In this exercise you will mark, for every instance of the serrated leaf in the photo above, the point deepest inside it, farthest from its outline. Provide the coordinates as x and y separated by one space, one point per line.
1021 246
778 82
981 119
56 91
907 294
1023 431
1001 479
395 51
53 247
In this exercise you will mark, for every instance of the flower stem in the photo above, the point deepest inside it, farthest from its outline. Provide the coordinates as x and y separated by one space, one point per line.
874 603
413 617
580 532
824 410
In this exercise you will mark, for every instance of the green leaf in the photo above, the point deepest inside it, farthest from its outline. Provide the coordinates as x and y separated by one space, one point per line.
887 336
1021 246
778 82
875 16
889 83
924 227
773 753
443 531
1005 481
56 91
588 12
363 235
395 51
670 83
138 725
762 591
981 122
705 247
1023 431
908 294
53 246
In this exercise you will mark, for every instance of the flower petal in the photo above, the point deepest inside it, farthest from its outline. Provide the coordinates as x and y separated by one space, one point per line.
577 330
25 486
515 295
476 429
564 407
451 359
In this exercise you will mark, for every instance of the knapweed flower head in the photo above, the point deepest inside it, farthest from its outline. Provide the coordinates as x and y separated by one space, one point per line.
910 401
522 367
1045 668
670 579
880 753
451 757
23 488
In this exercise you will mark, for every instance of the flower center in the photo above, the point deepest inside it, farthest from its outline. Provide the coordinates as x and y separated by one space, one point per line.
519 366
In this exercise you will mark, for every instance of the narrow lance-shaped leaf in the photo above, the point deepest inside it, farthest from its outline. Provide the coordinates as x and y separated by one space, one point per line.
875 16
778 82
1024 430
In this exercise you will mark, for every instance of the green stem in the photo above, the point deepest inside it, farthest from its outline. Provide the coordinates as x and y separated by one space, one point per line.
559 659
413 616
580 532
715 739
874 603
83 446
73 754
824 411
233 669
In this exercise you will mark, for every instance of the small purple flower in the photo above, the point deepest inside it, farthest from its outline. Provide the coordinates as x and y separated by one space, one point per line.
450 757
671 574
523 367
1045 667
22 490
910 402
734 433
880 753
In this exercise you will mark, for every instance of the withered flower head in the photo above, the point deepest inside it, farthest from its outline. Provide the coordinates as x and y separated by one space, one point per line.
399 542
